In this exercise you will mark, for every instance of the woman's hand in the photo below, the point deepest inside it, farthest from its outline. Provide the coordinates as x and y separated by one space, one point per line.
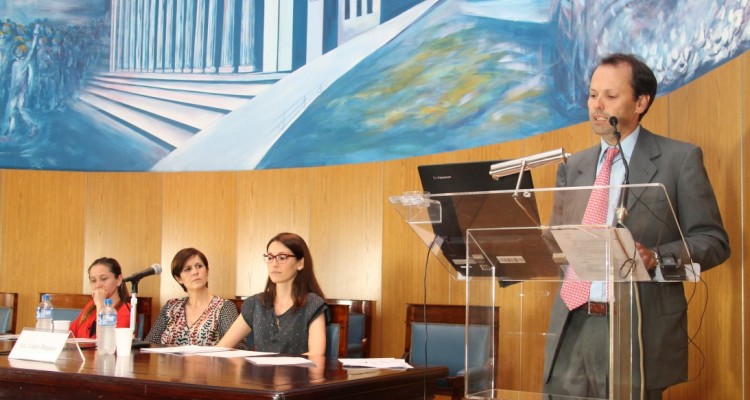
99 295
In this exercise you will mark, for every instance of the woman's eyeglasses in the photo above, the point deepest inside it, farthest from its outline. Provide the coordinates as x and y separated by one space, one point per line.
281 258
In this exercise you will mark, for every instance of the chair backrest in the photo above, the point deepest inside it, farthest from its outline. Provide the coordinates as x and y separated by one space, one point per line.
338 328
359 336
8 312
69 305
5 314
443 329
333 336
237 302
445 344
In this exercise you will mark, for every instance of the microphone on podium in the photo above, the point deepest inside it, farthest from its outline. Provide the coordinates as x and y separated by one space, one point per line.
154 269
621 211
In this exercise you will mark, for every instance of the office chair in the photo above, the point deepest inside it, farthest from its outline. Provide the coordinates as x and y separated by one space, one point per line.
69 305
360 326
442 329
8 312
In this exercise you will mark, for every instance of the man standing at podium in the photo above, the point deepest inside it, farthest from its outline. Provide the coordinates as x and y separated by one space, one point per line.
577 353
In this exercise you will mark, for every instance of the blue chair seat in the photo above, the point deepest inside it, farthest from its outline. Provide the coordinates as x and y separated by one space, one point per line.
445 346
332 341
71 314
458 337
356 335
5 317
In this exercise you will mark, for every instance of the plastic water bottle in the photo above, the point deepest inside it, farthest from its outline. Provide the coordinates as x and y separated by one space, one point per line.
44 314
105 329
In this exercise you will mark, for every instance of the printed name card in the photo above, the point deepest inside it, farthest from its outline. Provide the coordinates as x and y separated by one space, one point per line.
40 345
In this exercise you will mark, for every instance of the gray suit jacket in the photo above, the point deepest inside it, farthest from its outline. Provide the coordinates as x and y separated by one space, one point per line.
679 167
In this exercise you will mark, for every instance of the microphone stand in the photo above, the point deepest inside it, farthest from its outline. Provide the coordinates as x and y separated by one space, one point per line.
621 211
133 305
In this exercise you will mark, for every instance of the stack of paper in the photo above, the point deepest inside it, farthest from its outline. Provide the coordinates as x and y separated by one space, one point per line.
304 362
234 354
185 350
206 351
389 363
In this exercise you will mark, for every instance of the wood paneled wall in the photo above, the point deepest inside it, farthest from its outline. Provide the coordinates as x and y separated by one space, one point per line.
53 224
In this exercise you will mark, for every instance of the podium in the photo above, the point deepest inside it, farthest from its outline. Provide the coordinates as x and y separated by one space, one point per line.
513 249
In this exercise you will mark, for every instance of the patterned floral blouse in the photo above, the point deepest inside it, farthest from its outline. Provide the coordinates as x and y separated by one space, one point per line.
172 328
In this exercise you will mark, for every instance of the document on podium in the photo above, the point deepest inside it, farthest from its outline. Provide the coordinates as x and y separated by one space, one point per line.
586 248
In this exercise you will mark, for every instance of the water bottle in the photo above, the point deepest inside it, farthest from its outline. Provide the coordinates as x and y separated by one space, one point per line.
44 314
105 329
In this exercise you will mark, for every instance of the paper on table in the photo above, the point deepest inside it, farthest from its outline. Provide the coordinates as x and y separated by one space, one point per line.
391 363
82 340
234 353
184 350
281 361
9 337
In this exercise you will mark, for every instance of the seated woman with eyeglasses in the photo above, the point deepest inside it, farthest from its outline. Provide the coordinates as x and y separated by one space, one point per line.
289 316
201 318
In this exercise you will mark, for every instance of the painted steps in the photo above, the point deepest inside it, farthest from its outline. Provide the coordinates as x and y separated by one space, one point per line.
171 108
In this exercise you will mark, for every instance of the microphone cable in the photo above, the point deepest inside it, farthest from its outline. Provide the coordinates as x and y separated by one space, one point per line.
424 313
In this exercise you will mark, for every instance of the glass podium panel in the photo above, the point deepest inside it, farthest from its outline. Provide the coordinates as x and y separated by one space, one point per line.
513 249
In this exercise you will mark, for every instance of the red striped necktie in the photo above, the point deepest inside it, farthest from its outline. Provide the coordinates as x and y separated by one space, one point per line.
574 292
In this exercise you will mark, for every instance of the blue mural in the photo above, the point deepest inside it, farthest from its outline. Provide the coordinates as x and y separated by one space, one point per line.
174 85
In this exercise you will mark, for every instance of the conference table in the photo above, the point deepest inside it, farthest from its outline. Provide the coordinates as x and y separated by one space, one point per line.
171 376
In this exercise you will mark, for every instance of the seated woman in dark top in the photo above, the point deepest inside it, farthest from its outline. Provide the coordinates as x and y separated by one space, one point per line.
289 316
201 318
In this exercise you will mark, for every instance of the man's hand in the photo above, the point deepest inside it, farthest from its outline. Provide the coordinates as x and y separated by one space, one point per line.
647 255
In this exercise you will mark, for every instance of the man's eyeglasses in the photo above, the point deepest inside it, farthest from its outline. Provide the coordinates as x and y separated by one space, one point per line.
281 258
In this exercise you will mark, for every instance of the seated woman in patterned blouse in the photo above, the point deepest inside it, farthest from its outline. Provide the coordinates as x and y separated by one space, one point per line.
201 318
290 315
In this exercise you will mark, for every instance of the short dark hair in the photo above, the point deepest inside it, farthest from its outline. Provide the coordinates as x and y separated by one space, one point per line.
643 80
179 260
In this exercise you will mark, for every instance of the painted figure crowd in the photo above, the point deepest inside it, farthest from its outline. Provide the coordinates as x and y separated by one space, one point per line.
42 66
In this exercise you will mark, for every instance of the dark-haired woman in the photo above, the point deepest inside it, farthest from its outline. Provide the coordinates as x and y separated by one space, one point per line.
289 316
105 278
201 318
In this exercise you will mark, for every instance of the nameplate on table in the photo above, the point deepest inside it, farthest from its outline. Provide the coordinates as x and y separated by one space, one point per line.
42 345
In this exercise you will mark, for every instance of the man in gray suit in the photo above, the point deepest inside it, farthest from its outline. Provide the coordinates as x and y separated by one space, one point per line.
576 354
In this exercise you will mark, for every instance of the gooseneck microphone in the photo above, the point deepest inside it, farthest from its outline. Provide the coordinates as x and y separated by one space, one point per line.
621 212
154 269
613 122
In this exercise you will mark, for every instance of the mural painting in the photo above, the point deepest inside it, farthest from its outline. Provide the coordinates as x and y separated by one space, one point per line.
197 85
